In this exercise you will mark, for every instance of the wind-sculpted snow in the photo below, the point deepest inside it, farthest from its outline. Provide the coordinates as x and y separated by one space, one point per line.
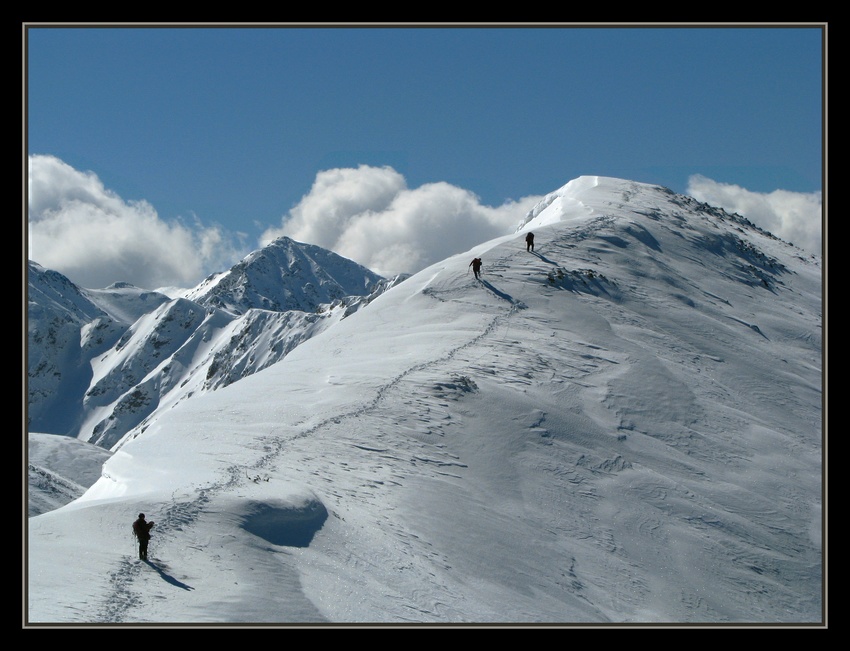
624 426
284 524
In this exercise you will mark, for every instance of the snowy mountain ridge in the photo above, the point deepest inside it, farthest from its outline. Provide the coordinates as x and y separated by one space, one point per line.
285 275
102 362
623 426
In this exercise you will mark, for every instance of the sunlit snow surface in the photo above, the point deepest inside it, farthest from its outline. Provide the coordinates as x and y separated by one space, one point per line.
624 426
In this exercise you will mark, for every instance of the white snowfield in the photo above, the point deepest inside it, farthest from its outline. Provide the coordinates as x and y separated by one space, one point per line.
624 426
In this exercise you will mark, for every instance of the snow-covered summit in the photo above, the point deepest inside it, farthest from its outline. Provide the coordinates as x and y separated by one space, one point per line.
285 275
105 361
624 426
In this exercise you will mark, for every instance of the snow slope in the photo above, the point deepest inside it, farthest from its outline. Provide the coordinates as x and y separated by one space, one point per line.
623 427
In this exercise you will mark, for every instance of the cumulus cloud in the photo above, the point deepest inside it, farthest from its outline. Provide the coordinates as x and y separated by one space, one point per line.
369 215
792 216
88 233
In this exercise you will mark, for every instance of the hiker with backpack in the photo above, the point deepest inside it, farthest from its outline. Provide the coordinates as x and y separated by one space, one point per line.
476 267
529 242
142 531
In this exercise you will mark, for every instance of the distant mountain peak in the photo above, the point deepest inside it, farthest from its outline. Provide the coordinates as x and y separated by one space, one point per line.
285 275
103 361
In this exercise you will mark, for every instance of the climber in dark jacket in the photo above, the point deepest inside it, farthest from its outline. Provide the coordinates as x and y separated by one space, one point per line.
142 531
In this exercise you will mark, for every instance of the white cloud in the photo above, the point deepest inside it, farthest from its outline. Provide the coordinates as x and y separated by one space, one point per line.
93 236
369 215
795 217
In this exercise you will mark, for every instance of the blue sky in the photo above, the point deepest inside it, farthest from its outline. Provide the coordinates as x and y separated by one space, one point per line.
224 133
